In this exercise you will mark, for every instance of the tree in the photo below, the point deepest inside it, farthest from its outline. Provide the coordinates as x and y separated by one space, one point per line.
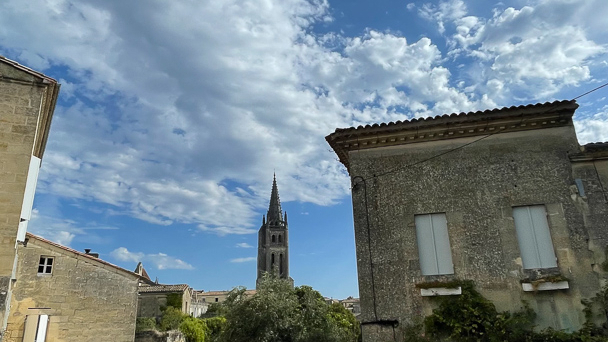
279 313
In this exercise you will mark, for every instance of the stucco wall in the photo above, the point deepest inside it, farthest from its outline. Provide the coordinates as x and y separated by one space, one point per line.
476 187
86 301
19 111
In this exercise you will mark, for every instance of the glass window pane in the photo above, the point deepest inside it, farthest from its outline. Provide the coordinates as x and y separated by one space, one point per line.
49 261
40 269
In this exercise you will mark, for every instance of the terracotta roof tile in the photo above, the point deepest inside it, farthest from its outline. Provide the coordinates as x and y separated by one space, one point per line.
163 288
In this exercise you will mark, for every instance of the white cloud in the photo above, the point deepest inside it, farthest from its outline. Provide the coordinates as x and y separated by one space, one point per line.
243 245
248 259
170 120
160 260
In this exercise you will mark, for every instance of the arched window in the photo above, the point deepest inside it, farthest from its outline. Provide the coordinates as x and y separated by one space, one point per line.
281 263
272 259
280 238
274 239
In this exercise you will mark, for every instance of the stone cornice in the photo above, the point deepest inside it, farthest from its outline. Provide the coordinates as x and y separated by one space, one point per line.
481 123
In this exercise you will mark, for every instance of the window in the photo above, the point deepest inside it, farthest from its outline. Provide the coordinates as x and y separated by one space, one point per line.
280 238
216 299
433 244
274 238
45 266
533 236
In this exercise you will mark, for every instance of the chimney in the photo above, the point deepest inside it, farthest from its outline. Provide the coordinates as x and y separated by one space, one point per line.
87 251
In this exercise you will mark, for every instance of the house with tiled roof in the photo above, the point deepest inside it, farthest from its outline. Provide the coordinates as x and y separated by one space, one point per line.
61 294
506 199
153 297
27 103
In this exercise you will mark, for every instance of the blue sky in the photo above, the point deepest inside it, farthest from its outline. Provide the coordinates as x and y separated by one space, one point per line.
173 115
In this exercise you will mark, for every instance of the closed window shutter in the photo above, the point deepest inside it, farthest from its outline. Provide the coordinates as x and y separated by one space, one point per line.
28 197
35 328
534 237
434 244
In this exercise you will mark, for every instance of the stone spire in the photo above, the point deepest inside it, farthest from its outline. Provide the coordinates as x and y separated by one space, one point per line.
275 214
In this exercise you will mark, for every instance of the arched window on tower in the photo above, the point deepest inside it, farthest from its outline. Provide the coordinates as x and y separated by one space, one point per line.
272 260
280 238
281 263
274 239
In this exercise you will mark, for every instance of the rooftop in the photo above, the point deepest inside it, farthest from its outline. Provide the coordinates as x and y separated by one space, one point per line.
451 126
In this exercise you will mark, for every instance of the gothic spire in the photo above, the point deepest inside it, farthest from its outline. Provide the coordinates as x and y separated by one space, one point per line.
275 214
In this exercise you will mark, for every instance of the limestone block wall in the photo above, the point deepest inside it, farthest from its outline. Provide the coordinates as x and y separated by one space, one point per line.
476 187
19 114
85 300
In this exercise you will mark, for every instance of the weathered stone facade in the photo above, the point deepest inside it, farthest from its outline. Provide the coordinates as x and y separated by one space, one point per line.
474 169
152 297
27 101
86 299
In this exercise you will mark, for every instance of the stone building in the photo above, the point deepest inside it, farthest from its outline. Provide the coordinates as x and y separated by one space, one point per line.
27 102
64 295
273 240
201 300
153 297
506 198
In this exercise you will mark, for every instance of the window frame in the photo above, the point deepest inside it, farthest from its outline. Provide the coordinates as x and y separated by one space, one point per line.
46 265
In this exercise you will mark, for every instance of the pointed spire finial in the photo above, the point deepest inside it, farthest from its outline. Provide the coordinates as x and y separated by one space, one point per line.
275 214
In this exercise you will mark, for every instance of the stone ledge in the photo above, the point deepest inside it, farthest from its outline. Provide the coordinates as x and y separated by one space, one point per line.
546 286
440 291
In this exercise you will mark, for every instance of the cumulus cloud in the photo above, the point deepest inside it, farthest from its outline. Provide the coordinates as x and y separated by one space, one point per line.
248 259
532 52
160 260
168 119
243 245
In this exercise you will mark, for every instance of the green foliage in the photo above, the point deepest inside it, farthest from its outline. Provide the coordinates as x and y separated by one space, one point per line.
193 329
145 323
174 300
345 321
171 319
471 317
279 313
215 327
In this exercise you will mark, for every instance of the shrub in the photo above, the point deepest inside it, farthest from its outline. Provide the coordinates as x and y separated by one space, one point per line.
145 323
171 319
193 329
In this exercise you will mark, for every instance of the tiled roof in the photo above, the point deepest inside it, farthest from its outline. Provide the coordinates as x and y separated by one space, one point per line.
222 293
163 288
470 116
28 70
80 254
596 146
449 126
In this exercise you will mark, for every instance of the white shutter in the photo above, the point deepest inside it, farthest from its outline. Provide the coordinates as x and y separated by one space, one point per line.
434 244
534 238
28 197
42 325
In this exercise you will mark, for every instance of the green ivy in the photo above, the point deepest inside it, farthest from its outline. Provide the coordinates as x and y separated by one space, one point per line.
471 317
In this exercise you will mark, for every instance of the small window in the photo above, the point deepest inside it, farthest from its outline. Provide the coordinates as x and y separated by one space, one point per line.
533 236
45 266
433 244
274 238
204 300
216 299
280 238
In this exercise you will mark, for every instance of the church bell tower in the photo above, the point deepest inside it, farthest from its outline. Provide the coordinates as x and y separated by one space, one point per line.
273 240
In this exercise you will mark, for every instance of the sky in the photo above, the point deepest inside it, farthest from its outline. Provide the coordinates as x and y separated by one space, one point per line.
174 115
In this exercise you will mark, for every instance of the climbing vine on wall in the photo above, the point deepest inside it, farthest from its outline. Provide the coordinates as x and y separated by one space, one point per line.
471 317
